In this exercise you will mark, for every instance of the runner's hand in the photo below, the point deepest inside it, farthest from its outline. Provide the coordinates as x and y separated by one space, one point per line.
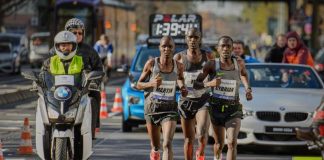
184 91
248 94
156 81
216 82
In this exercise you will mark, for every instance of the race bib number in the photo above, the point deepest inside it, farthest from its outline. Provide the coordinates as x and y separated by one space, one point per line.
226 90
64 80
190 78
166 91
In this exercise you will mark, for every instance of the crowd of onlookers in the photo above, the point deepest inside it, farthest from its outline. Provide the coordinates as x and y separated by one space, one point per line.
289 48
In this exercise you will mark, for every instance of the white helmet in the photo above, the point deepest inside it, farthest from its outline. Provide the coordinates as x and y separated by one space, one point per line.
65 37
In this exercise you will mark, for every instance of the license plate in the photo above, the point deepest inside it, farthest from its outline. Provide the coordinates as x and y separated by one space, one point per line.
283 130
64 80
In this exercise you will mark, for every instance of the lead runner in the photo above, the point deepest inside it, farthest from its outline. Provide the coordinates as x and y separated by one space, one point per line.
224 107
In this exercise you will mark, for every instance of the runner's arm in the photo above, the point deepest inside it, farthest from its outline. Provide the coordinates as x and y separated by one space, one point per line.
180 79
208 69
141 84
243 74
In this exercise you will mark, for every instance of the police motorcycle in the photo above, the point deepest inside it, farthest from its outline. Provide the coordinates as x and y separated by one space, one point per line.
314 135
63 115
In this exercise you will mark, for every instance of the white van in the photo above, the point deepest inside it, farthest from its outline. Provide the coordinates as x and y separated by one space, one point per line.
39 48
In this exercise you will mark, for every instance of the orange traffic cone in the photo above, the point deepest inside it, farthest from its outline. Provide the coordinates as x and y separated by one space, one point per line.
1 154
26 143
103 106
117 107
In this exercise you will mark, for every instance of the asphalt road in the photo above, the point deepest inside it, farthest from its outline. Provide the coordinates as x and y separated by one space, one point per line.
113 144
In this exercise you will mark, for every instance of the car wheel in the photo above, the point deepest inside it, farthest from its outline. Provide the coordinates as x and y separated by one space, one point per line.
16 67
13 68
126 127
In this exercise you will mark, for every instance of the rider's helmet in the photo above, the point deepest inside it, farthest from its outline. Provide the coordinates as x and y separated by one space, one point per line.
65 37
74 23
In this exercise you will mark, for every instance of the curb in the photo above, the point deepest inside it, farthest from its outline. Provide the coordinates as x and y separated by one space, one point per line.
18 95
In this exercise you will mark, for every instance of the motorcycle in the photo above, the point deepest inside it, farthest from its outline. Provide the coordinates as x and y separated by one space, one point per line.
314 135
63 115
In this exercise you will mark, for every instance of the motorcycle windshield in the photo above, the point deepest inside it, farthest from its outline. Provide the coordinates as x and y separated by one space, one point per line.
71 83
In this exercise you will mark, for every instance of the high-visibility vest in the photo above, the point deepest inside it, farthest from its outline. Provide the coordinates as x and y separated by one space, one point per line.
57 67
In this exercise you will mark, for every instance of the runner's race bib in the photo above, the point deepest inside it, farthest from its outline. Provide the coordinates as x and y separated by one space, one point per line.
190 78
226 90
166 91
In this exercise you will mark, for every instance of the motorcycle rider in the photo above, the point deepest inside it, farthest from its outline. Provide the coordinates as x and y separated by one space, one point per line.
92 59
193 110
65 60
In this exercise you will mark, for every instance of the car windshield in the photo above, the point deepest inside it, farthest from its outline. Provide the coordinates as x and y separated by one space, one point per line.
4 48
320 56
40 41
147 53
14 40
282 76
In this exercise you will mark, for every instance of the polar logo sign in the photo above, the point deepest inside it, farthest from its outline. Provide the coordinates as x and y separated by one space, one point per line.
174 25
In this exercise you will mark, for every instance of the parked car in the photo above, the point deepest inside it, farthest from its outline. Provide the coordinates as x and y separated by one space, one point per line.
9 60
133 99
284 97
19 44
39 48
319 63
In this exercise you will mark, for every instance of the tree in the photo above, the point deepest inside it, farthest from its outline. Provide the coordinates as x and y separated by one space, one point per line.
9 7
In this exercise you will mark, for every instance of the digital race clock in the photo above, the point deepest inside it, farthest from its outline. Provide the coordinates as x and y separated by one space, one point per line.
174 25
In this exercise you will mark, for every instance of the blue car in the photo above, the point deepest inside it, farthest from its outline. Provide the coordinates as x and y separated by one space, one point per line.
133 99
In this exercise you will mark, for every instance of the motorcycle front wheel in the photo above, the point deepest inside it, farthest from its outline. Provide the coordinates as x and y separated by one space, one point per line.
61 149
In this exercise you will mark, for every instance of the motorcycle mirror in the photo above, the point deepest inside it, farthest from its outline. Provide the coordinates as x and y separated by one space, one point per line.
131 77
95 75
30 75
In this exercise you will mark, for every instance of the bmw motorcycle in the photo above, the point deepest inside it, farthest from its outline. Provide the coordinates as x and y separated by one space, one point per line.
63 115
314 135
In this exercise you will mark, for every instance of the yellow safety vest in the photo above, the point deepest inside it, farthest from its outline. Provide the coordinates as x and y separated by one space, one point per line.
57 67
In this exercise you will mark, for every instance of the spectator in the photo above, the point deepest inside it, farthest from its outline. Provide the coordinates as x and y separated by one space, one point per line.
276 52
105 50
238 50
297 52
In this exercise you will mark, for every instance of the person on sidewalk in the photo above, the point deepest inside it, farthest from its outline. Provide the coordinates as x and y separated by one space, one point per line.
193 109
105 50
160 106
276 52
297 52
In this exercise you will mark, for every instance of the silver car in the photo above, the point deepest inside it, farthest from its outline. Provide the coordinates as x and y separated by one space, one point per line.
11 62
285 97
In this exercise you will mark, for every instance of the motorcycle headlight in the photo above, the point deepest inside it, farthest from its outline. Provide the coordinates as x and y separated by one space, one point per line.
71 113
247 112
52 114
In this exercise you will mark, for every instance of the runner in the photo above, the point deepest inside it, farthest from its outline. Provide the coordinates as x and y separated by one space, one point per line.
160 102
193 109
224 107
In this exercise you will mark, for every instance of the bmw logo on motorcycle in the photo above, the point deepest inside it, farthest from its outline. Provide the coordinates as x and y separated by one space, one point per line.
62 93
